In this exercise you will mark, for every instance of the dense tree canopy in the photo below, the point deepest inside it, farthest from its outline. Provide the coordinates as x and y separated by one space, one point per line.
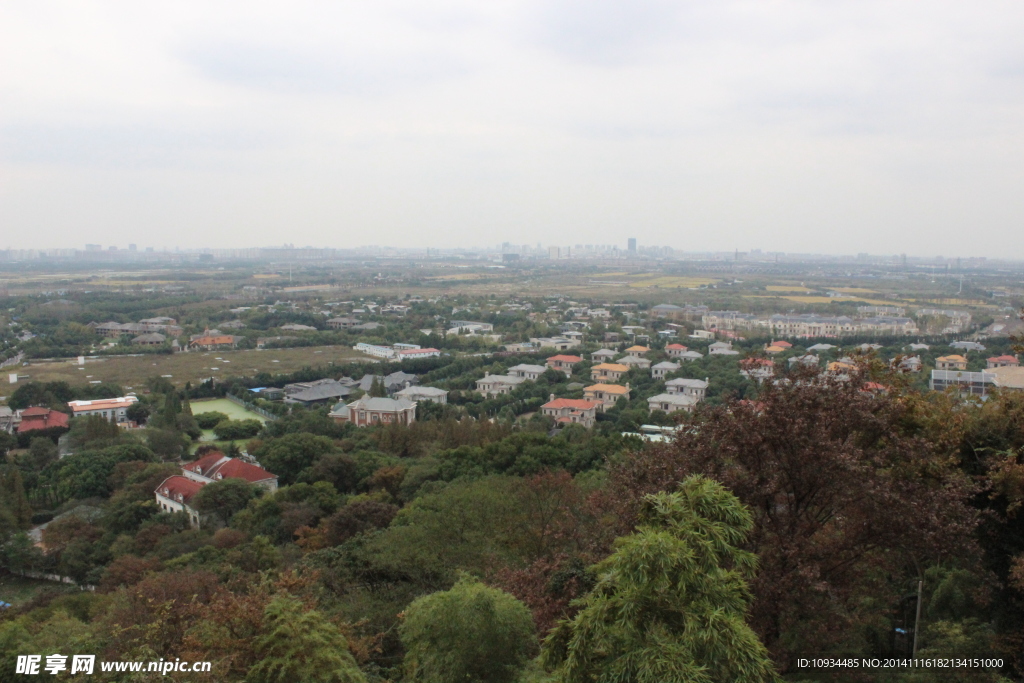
670 602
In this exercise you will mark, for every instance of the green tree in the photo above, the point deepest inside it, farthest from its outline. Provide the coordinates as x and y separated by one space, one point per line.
42 452
470 634
224 498
167 443
93 430
289 455
237 429
670 602
377 388
138 413
301 645
12 497
210 419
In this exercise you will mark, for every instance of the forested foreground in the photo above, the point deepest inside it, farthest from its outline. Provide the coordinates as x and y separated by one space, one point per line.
797 523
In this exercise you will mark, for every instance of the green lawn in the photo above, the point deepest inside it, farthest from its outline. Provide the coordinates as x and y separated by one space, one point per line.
18 589
232 410
223 405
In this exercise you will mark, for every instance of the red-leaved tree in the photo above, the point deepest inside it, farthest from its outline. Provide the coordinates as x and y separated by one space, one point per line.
848 499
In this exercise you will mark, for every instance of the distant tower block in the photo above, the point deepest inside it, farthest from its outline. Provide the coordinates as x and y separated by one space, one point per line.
631 245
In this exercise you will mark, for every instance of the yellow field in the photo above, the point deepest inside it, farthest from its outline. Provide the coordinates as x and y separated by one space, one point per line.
132 371
671 282
456 276
853 290
823 299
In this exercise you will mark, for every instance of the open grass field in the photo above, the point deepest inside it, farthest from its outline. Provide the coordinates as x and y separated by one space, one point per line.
132 371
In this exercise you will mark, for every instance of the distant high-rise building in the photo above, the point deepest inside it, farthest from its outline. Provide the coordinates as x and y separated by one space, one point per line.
632 245
553 252
92 247
132 247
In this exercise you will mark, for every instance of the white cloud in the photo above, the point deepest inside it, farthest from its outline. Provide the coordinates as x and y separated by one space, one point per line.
843 126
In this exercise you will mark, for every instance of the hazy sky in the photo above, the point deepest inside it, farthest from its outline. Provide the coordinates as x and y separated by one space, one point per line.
823 126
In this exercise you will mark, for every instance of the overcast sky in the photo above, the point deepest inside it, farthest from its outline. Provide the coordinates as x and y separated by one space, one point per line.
820 126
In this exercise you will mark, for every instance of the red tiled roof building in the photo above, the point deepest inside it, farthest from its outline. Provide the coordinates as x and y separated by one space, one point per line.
36 418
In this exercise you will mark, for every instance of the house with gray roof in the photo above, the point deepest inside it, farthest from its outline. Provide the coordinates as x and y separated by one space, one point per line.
423 394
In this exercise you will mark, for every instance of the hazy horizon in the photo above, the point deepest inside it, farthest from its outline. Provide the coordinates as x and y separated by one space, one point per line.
788 126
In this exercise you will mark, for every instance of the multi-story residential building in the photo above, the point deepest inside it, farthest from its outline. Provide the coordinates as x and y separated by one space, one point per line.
637 351
603 355
894 311
342 323
907 364
37 418
563 363
368 411
112 409
722 349
1005 361
687 312
167 326
318 391
375 350
606 394
497 385
694 388
150 339
527 371
953 362
887 325
675 350
469 327
965 383
967 345
556 343
417 393
634 362
810 325
610 372
671 403
176 493
1009 377
571 411
729 320
410 354
758 369
659 370
215 466
959 321
209 341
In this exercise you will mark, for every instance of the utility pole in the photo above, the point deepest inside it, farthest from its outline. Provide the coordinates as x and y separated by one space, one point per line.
917 618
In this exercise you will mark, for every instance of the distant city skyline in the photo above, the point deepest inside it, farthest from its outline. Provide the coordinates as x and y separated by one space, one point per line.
883 127
632 249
